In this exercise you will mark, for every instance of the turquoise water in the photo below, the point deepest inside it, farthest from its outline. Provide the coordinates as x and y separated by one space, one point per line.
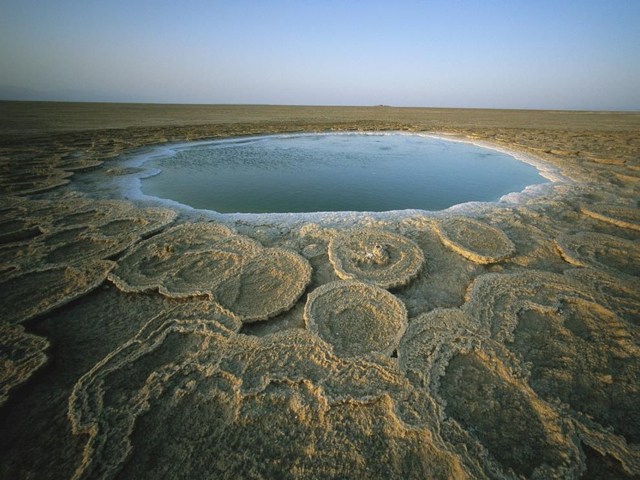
334 172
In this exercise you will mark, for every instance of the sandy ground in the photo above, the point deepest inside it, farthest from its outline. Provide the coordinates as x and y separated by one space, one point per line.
500 340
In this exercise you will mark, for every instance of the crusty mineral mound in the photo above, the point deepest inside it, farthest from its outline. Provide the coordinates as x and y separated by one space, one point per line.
619 295
204 393
519 431
601 251
52 216
25 182
624 217
270 283
37 236
85 247
485 398
21 354
356 318
493 300
584 355
577 353
17 230
381 258
75 246
206 259
475 240
426 332
151 262
37 292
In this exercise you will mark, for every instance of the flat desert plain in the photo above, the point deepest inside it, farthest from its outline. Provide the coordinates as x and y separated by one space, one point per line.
500 340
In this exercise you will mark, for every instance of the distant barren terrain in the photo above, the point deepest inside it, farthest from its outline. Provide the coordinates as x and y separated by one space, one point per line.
138 341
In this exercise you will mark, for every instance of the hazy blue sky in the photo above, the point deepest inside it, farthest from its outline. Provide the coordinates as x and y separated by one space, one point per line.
579 54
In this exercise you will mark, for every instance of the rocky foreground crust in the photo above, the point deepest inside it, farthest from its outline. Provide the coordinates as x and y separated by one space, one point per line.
493 341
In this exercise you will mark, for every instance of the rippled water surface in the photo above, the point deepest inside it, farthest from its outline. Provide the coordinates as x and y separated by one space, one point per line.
334 172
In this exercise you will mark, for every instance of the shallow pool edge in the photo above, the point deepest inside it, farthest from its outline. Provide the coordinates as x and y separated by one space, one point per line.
131 188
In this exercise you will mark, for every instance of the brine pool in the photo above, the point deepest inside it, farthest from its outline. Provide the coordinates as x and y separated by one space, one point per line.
332 173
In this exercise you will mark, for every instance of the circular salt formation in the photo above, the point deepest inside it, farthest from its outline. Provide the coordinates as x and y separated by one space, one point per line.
270 283
601 251
423 337
160 257
356 318
624 217
198 273
205 259
477 241
493 300
381 258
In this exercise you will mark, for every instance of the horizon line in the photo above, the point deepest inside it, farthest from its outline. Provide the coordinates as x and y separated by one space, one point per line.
193 104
